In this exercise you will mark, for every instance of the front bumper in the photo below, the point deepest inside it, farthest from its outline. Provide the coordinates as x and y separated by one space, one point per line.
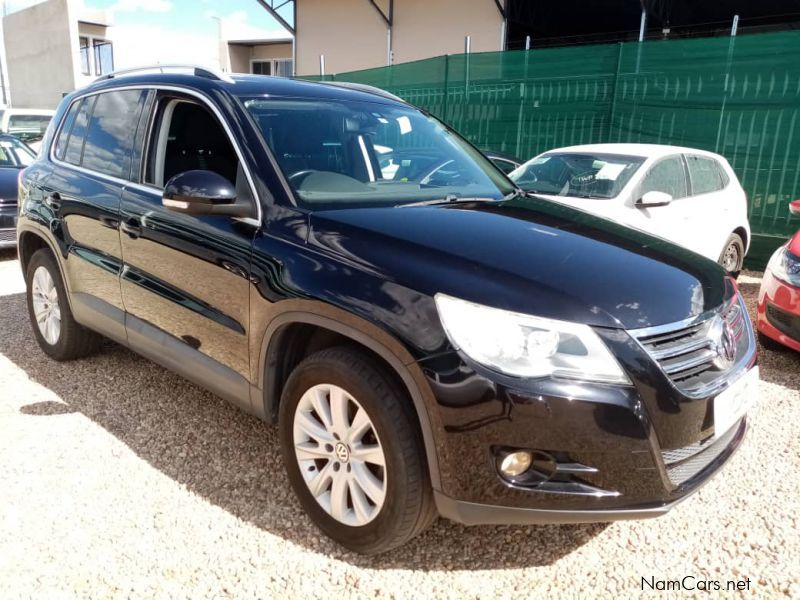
8 226
630 451
779 311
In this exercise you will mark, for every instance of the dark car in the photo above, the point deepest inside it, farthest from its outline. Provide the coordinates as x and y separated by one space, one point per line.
14 156
505 162
449 347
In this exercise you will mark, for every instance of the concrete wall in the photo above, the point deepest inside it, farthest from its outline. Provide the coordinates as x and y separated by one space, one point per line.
423 29
43 30
352 35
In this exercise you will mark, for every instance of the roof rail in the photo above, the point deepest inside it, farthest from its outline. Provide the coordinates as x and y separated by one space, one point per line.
363 87
195 69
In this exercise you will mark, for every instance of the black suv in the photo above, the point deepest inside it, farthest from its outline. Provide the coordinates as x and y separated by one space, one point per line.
428 339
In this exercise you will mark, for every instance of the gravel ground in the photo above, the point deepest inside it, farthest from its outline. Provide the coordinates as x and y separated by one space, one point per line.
118 478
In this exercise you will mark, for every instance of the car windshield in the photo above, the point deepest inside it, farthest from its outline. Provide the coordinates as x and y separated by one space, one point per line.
14 153
577 174
341 154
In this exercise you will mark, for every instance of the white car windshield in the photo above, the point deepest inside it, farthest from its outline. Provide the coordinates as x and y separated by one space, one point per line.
342 154
577 174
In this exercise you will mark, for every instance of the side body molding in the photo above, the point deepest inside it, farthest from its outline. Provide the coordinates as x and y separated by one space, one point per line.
371 336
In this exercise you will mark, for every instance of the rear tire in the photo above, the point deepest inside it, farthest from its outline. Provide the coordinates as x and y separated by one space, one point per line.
732 257
56 331
349 434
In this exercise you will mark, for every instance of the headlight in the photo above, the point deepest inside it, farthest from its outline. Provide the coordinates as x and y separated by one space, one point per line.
527 346
785 266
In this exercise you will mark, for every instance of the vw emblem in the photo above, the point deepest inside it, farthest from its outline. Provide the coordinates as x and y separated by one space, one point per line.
723 343
342 452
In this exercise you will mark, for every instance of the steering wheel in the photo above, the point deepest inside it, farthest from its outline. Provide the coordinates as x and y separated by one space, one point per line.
297 178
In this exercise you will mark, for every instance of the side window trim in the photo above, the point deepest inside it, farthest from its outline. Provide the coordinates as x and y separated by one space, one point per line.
206 103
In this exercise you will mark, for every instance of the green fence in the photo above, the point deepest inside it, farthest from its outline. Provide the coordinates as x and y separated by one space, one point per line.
736 96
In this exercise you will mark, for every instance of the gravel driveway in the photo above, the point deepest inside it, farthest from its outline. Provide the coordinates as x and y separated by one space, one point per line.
118 478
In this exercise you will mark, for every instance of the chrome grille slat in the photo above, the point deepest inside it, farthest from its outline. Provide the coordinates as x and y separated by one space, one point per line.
679 349
702 358
687 354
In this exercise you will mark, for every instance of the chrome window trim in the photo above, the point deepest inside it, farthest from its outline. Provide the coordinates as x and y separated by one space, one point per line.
256 222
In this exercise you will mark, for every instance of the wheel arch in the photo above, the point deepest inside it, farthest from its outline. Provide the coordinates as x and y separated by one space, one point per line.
308 326
742 233
28 243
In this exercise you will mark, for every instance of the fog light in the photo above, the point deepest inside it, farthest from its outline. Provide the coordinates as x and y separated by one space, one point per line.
515 463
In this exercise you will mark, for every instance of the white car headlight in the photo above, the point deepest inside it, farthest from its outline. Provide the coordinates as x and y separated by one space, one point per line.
527 346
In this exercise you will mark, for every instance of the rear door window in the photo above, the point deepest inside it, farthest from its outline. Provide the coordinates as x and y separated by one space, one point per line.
74 149
111 131
66 129
704 174
668 176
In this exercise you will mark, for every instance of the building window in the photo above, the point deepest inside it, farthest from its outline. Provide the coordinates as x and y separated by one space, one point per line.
86 67
103 57
261 67
282 67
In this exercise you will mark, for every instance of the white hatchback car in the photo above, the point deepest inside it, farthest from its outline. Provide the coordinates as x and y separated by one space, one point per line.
687 196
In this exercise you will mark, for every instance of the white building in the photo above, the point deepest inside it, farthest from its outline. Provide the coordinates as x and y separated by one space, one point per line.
53 48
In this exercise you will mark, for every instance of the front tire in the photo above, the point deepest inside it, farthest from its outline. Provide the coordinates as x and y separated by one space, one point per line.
353 451
56 331
732 257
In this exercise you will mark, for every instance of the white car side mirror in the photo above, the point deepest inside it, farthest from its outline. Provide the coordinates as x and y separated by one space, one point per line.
654 199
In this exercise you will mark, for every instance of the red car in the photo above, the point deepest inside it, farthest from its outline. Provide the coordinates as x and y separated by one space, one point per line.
779 296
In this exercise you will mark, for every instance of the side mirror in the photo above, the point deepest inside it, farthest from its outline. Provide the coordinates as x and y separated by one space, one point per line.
203 193
651 199
794 207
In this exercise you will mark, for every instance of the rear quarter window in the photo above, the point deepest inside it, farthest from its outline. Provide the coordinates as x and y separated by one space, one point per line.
704 174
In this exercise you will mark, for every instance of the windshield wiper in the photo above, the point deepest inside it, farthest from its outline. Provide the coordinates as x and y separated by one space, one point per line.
449 199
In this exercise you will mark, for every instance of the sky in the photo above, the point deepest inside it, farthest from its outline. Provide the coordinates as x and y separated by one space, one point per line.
172 31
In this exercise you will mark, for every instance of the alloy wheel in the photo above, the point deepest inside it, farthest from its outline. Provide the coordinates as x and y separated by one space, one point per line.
45 305
340 454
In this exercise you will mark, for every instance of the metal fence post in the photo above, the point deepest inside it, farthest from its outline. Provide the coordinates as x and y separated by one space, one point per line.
446 78
614 94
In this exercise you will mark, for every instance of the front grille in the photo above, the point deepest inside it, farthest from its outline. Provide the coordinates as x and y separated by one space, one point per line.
684 463
690 354
8 235
785 322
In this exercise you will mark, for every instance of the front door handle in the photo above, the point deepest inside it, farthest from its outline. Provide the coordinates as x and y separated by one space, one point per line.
131 227
53 200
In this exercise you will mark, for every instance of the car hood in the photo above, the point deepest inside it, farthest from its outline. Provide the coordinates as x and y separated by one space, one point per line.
8 185
528 255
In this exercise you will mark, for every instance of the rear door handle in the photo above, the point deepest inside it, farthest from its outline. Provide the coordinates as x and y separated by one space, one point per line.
131 227
53 200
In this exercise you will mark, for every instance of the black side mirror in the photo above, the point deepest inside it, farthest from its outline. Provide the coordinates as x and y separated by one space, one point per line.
203 193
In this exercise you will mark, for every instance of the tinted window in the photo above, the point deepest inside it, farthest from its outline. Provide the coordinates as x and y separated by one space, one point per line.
667 176
75 142
109 138
344 154
506 166
66 128
704 173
